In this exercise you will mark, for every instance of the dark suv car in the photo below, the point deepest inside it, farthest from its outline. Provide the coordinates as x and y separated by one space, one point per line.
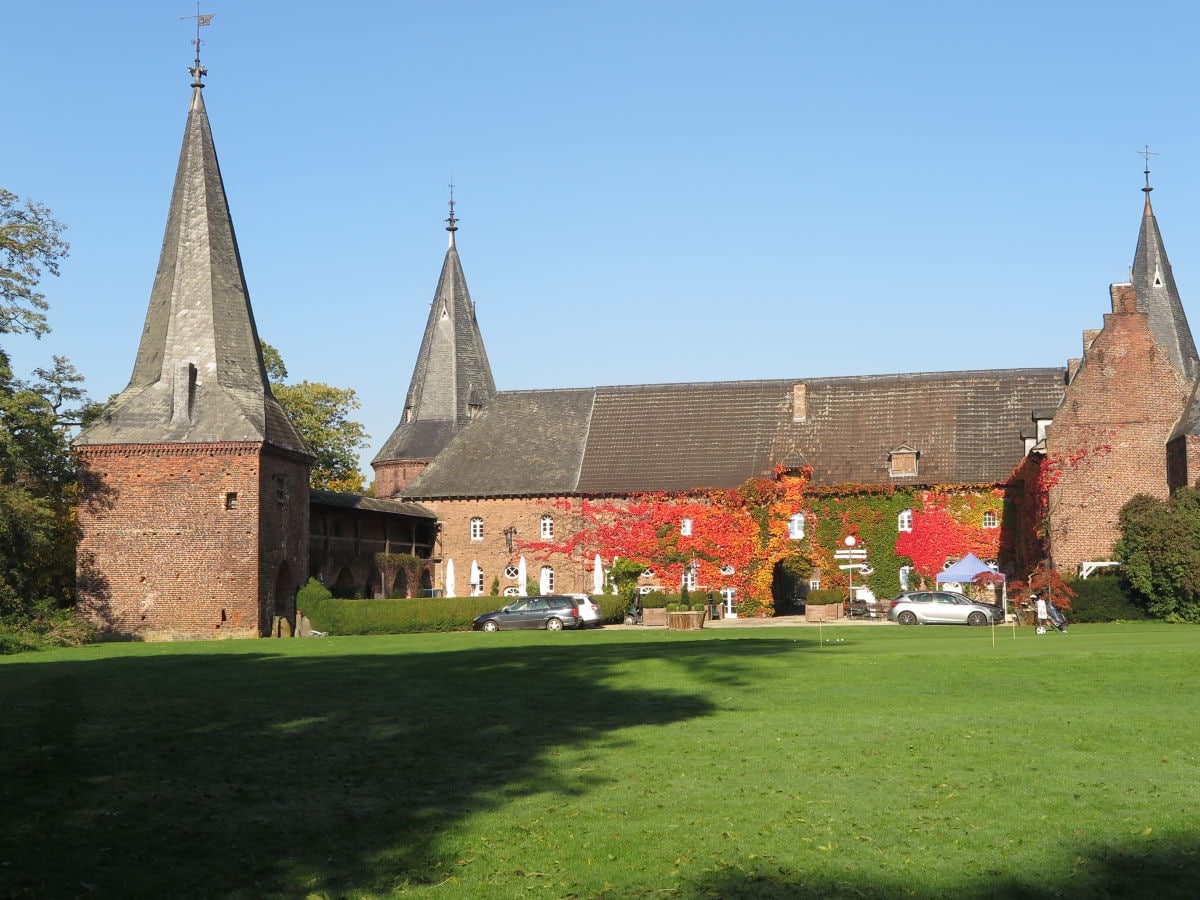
553 612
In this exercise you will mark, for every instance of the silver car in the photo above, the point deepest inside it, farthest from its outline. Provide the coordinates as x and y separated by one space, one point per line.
942 608
589 611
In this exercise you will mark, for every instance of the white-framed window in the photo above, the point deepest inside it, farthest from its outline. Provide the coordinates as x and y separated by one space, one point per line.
950 561
990 520
476 529
727 569
546 582
547 527
648 573
511 571
685 527
477 587
796 526
814 584
512 592
689 575
904 520
727 595
905 577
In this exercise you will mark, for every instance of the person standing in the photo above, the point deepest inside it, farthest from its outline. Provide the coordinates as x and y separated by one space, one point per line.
1040 613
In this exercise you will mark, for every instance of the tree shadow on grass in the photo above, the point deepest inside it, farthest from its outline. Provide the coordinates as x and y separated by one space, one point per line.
1164 869
251 774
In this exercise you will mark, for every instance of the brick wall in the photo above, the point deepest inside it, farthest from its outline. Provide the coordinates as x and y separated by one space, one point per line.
1109 436
284 538
184 541
395 475
572 574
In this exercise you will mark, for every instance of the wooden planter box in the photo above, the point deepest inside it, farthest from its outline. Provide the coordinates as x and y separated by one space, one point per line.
686 621
827 613
655 615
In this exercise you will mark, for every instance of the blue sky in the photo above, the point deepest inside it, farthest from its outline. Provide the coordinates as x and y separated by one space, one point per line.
649 191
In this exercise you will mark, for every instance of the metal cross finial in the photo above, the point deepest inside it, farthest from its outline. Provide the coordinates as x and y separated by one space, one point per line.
198 71
1147 153
452 220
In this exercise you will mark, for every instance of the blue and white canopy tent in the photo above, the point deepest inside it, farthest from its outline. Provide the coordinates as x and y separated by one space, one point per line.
973 569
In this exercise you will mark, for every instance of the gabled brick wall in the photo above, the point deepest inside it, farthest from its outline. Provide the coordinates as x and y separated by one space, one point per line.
186 541
1109 437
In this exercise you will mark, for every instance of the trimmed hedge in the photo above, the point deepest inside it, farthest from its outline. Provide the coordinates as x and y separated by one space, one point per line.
347 617
426 614
824 597
1103 598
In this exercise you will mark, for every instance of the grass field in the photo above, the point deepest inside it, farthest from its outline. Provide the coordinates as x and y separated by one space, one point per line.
737 762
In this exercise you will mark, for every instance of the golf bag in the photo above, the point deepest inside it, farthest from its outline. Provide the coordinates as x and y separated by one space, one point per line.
1055 618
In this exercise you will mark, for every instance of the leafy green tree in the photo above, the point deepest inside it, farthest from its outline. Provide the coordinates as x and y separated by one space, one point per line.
30 245
1159 550
37 488
320 413
37 469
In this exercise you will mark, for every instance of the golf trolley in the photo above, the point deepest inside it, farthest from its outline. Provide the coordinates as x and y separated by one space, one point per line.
633 615
1054 619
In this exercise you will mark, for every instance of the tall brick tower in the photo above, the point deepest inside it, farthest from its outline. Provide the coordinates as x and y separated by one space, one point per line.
194 492
1125 411
451 382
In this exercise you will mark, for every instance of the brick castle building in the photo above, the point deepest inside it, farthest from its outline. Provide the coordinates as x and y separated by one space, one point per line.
196 518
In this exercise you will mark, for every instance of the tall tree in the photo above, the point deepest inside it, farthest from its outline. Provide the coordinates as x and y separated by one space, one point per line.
1159 550
31 244
37 472
37 486
320 413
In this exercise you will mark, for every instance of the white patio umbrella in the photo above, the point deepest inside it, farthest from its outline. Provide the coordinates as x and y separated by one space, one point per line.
598 576
544 581
450 585
476 587
522 576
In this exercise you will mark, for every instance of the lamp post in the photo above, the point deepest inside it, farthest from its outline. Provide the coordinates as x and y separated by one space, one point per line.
509 533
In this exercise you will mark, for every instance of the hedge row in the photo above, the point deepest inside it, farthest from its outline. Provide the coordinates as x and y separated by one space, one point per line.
346 617
1103 598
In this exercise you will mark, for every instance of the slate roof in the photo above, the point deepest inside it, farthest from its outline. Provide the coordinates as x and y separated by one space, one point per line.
612 440
198 376
1158 297
451 374
357 501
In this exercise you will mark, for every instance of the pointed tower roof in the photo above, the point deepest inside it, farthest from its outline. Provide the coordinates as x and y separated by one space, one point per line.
452 379
1157 295
199 375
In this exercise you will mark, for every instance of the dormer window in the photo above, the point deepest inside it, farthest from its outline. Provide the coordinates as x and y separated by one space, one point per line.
902 462
547 527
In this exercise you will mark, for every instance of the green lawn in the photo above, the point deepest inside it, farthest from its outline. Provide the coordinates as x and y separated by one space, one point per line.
748 762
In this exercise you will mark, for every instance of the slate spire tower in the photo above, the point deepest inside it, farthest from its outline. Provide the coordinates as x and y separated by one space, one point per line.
451 382
1157 295
194 484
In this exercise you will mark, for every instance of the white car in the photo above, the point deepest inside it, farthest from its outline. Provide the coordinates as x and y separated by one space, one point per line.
589 611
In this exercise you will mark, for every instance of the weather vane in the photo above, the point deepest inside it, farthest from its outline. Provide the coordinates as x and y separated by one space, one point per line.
453 222
198 71
1146 154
